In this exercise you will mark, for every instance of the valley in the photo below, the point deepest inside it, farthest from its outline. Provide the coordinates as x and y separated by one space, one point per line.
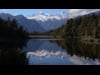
46 39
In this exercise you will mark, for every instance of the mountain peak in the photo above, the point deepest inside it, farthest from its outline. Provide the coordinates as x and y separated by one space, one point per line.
40 22
20 16
5 14
45 16
41 13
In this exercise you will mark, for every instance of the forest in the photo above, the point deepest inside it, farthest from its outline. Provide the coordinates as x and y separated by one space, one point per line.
58 32
11 29
12 39
85 27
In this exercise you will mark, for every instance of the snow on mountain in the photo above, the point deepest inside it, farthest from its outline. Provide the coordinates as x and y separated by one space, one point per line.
38 17
29 25
48 21
40 22
45 16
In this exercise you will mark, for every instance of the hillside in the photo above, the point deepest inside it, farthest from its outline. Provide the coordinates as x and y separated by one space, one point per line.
37 22
85 27
60 32
10 29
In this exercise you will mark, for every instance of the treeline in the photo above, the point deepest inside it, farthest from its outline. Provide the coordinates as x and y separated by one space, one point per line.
84 26
58 32
11 29
37 33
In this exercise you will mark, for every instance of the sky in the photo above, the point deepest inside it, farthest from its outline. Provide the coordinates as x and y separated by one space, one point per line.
28 12
31 11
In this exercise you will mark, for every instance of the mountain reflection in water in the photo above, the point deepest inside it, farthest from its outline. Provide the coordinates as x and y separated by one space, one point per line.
58 52
48 52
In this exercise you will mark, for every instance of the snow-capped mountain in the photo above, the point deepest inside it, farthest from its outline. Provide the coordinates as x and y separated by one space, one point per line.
29 25
40 22
44 17
49 22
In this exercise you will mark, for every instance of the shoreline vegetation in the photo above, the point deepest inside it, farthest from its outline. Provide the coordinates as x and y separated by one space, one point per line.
13 37
86 27
90 40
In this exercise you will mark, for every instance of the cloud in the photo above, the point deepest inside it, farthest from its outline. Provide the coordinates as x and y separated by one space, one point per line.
77 12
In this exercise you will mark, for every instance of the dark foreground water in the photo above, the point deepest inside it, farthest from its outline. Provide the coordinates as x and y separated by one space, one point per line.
49 52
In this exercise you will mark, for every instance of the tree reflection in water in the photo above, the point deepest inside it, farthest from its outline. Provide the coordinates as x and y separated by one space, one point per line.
75 47
10 52
82 49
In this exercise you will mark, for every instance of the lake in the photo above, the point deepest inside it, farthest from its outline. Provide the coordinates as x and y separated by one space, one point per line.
49 52
56 52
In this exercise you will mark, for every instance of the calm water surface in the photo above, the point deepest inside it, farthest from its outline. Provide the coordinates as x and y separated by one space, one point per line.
49 52
56 52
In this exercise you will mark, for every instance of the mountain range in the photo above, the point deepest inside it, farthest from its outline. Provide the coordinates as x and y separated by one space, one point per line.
39 22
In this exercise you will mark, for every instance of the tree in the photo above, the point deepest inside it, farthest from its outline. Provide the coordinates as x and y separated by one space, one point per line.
10 29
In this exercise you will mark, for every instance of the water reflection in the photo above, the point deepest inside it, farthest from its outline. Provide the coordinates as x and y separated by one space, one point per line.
48 52
81 53
60 52
75 47
10 52
44 52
